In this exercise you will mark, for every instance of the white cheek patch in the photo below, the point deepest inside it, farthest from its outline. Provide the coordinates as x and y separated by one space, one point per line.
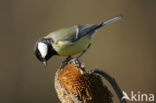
43 49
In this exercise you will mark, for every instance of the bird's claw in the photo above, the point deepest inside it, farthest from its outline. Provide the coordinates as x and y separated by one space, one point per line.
68 60
72 60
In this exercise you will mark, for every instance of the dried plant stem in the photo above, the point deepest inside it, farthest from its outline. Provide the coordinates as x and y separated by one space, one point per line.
113 83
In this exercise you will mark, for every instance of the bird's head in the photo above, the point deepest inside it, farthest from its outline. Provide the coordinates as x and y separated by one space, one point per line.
44 50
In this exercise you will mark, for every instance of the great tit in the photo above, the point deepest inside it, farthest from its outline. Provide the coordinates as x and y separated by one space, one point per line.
68 41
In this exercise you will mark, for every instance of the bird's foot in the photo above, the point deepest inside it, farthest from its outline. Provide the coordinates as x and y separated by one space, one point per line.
67 59
72 60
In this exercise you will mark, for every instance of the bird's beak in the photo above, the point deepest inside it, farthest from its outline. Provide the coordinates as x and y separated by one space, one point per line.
45 63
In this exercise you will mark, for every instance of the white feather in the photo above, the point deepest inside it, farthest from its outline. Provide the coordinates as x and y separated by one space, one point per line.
42 47
77 32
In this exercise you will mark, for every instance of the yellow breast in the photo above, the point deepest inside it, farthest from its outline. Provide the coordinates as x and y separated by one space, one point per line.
66 48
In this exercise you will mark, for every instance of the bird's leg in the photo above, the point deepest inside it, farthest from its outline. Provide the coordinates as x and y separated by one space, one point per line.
67 59
77 58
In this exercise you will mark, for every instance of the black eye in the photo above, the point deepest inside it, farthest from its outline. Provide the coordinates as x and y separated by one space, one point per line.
39 54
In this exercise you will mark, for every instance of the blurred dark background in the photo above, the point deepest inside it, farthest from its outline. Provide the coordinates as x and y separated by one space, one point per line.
125 49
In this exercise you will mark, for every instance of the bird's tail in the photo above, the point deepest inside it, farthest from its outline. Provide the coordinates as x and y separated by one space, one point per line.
110 21
93 28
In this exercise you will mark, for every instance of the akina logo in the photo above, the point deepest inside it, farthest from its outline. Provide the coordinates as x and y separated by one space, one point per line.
138 96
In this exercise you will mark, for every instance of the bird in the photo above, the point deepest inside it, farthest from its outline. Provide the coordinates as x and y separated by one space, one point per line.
73 84
68 41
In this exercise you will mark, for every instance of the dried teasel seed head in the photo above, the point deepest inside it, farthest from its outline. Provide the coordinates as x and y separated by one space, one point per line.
74 85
